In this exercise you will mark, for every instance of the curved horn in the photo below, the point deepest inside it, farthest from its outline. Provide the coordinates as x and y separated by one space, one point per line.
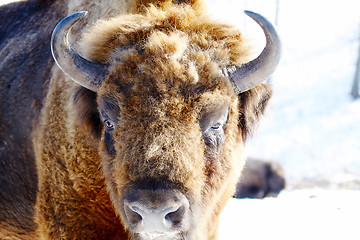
251 74
88 74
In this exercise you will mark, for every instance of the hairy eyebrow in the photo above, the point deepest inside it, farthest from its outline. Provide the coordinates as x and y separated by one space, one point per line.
109 108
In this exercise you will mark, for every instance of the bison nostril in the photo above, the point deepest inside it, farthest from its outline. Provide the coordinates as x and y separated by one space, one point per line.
176 217
133 216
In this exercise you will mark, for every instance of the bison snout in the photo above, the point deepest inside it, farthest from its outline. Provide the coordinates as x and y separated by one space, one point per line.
159 213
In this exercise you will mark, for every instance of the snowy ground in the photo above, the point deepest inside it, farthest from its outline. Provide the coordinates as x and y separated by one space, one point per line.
312 127
297 215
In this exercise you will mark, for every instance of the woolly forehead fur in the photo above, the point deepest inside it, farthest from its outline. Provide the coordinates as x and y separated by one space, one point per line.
179 41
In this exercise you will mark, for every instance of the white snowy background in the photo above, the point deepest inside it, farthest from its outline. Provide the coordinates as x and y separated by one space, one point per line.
312 127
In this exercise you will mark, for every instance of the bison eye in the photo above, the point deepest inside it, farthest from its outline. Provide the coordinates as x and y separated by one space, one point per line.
216 126
109 125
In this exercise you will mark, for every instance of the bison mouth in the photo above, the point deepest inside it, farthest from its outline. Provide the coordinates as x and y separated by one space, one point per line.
161 236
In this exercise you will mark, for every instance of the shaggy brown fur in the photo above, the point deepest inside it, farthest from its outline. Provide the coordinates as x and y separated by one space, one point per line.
164 77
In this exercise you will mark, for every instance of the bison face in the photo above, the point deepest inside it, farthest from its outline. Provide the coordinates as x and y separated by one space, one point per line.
168 156
173 124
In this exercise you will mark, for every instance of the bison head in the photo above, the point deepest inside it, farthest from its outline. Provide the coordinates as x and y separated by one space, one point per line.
171 100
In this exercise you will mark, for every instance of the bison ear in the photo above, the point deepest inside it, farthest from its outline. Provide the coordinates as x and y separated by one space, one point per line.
87 114
252 107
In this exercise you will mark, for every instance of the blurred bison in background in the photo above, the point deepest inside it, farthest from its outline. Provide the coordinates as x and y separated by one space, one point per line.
260 179
134 131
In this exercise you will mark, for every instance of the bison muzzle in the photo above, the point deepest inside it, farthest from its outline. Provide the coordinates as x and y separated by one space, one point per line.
159 212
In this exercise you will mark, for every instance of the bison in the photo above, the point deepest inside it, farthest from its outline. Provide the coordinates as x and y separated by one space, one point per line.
136 129
260 179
